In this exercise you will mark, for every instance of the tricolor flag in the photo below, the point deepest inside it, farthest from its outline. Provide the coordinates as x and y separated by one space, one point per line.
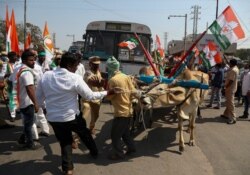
226 29
158 47
131 43
12 38
48 44
27 42
211 54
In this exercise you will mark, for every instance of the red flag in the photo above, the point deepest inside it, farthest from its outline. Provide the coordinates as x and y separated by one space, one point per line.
159 47
13 34
27 42
7 22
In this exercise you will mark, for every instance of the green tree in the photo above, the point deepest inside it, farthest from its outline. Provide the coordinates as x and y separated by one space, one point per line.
243 54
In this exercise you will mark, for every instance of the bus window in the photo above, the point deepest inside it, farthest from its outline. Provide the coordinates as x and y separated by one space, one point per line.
101 44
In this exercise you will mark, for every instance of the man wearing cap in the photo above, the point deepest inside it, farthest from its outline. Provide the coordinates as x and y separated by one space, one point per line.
56 60
42 61
122 103
95 81
230 89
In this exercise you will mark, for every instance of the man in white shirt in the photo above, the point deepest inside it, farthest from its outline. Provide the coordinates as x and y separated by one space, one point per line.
26 96
59 89
245 88
41 121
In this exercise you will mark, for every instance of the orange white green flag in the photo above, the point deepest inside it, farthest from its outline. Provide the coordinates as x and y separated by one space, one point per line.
131 43
12 43
48 44
227 29
212 54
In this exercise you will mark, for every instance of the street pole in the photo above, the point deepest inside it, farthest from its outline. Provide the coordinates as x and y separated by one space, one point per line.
24 25
217 4
185 33
185 30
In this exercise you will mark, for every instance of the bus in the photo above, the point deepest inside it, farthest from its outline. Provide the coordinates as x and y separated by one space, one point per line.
102 38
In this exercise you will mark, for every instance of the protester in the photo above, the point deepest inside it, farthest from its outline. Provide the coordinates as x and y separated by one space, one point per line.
41 121
41 61
11 91
216 84
80 68
122 104
245 80
26 95
230 89
59 89
56 59
95 81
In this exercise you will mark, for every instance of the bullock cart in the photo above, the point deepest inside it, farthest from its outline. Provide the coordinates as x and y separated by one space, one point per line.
185 99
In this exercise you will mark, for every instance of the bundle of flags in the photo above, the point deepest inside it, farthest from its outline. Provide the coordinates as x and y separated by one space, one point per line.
226 29
131 43
12 43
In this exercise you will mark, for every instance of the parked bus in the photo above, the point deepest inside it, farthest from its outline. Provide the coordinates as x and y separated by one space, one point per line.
102 38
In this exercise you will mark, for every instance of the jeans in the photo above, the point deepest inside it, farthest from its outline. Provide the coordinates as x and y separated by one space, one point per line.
63 133
28 115
246 105
216 91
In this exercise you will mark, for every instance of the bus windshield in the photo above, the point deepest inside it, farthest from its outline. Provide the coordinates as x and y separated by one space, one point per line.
102 38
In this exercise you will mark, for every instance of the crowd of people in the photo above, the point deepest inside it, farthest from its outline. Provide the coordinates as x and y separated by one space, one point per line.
66 94
63 94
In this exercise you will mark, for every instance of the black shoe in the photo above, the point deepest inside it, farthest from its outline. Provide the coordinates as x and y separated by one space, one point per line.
243 116
43 134
230 122
94 154
216 107
130 152
209 106
22 139
12 119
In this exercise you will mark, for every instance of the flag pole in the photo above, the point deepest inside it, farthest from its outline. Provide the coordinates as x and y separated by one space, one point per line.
148 56
186 54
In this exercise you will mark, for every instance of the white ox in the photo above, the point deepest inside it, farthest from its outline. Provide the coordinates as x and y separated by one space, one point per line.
187 101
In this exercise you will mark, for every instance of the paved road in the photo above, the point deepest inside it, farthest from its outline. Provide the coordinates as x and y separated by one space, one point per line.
220 149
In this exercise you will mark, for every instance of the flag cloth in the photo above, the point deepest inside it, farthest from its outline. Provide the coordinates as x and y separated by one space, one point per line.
27 42
159 48
131 43
12 43
212 54
226 29
48 44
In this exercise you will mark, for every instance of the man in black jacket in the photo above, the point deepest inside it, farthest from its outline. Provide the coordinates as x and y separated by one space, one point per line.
216 86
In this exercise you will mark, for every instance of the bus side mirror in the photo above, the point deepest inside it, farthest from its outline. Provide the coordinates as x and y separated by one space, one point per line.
84 36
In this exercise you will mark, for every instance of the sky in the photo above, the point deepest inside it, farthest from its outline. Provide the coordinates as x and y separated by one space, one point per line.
70 17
